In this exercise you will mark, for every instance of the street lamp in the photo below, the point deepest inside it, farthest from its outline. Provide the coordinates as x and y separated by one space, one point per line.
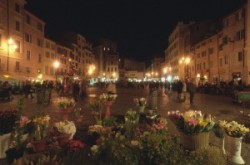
186 61
56 66
10 44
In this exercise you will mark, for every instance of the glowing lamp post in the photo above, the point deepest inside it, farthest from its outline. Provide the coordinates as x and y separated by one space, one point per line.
11 46
185 61
56 66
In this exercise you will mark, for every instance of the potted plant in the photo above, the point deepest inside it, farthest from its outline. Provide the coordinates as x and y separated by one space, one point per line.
235 132
41 131
194 128
8 119
67 130
65 106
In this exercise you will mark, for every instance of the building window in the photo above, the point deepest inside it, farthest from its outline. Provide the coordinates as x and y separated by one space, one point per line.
210 51
47 44
40 26
220 61
17 67
240 35
28 20
198 55
226 59
52 55
39 42
224 40
17 8
17 26
39 58
18 46
28 55
203 54
47 54
220 47
204 65
240 56
239 15
28 37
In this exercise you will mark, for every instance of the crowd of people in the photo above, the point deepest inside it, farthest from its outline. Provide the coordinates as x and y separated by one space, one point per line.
78 89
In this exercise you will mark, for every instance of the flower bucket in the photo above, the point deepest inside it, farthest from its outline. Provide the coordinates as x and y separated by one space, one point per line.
107 111
4 144
39 145
141 109
234 148
195 142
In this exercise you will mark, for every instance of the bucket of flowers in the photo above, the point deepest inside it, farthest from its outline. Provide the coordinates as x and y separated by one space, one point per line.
41 124
66 106
235 133
107 99
194 128
141 103
96 109
67 130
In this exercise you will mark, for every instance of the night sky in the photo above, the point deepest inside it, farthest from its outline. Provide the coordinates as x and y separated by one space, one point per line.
140 27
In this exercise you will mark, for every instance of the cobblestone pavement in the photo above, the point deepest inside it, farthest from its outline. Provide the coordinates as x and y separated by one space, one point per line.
220 106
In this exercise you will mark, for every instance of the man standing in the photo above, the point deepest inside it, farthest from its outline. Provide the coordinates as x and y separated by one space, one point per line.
191 89
179 88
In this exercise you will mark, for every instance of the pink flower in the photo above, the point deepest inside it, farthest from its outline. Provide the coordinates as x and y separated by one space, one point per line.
75 144
24 120
192 121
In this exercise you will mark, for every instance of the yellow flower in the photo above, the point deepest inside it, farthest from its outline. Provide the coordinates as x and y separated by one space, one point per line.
134 142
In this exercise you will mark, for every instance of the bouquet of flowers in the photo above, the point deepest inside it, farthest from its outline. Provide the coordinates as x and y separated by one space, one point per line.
66 127
107 97
141 102
234 129
41 126
64 103
192 122
8 119
131 117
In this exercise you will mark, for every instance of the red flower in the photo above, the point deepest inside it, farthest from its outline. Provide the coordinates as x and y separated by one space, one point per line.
75 144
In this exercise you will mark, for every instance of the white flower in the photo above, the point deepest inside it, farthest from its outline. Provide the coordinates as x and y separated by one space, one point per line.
66 127
94 149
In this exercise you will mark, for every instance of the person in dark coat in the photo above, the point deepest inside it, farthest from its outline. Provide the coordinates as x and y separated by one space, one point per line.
179 88
76 90
191 87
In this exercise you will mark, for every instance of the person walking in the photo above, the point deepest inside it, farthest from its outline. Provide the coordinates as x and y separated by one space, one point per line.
184 90
191 87
179 88
111 88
